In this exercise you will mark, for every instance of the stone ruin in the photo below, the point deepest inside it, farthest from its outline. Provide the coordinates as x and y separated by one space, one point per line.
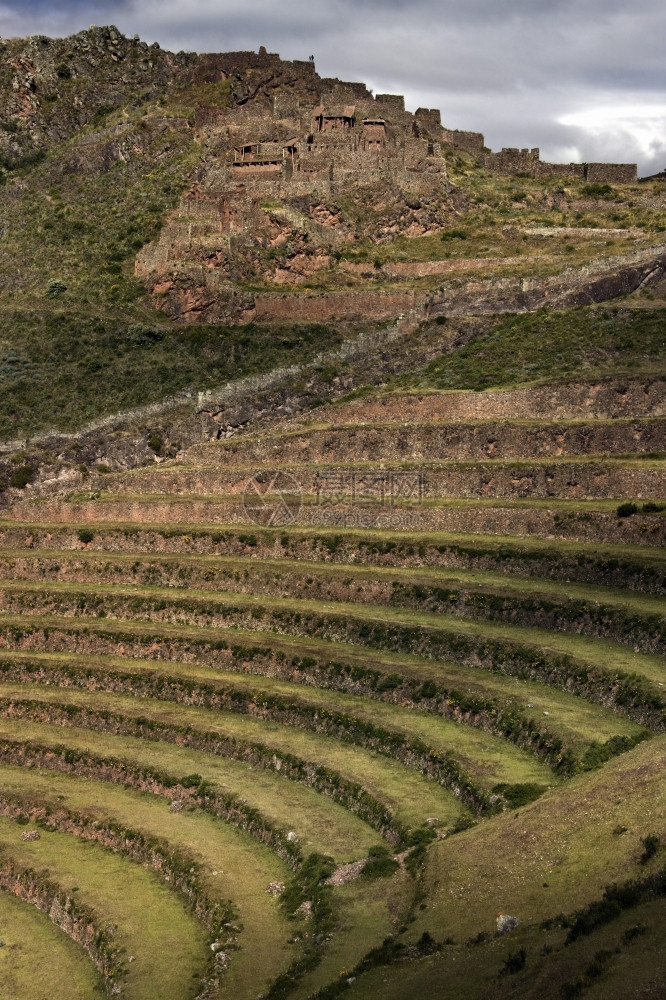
327 134
316 142
293 134
528 162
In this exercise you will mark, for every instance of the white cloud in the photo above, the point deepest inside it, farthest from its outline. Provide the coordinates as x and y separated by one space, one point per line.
612 126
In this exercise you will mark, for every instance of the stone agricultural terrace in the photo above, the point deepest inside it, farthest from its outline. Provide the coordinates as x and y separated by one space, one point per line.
336 667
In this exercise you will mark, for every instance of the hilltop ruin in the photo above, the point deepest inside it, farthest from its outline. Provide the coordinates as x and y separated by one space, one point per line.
326 134
281 148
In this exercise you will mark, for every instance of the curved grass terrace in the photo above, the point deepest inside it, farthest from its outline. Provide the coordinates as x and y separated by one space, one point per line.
169 949
260 679
376 626
38 959
231 869
316 759
632 567
321 824
350 748
601 611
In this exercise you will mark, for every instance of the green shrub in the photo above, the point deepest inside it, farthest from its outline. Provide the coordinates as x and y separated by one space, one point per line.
461 824
573 989
55 288
20 477
389 682
426 944
616 898
627 509
633 932
191 781
427 690
650 847
380 863
597 190
308 884
86 535
519 794
139 335
155 443
514 963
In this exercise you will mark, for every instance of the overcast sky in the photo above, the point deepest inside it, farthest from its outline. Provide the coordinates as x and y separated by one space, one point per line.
582 79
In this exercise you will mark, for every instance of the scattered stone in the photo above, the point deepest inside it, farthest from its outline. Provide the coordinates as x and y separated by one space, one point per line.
346 873
506 923
30 835
176 806
351 980
292 838
304 910
274 888
432 821
215 946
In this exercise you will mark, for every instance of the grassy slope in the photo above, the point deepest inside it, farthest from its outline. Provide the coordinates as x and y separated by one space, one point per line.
550 857
38 960
64 368
565 839
321 824
169 948
547 345
409 795
235 866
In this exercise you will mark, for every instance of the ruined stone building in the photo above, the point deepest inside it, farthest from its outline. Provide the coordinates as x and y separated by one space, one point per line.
528 162
288 139
346 135
322 135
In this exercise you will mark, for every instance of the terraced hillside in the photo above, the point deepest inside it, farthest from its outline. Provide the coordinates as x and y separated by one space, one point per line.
389 721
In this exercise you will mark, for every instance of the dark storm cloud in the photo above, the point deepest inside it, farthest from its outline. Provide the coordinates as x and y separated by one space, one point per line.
581 80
